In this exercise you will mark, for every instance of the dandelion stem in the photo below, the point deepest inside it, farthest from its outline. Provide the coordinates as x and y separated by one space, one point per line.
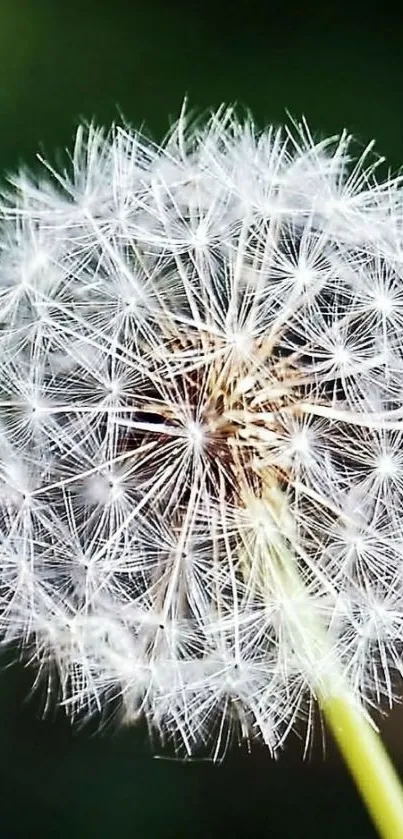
360 744
366 757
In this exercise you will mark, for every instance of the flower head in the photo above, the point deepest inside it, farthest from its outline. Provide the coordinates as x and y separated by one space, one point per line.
201 422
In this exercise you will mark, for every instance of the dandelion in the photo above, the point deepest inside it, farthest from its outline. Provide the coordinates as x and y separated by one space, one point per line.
201 424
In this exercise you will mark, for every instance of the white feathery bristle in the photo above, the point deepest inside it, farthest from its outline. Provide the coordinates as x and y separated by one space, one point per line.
201 380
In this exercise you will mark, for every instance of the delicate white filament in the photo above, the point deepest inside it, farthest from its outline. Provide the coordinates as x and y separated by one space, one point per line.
201 426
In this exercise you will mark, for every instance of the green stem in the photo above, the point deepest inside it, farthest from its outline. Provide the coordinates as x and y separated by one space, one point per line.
368 762
360 745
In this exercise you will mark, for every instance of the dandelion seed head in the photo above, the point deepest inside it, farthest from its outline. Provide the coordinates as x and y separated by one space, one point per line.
201 379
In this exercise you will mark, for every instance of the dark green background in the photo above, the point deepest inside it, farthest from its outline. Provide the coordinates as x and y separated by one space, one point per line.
63 61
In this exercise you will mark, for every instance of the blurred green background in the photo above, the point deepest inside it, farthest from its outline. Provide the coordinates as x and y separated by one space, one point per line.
62 61
59 61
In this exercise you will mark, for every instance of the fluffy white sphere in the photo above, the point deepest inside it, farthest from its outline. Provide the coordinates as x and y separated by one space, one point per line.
201 423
